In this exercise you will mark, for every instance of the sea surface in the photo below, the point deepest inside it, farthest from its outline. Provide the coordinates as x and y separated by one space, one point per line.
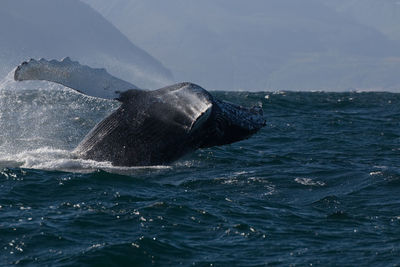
318 186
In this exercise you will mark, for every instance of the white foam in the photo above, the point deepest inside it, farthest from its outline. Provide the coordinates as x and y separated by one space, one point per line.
309 182
47 158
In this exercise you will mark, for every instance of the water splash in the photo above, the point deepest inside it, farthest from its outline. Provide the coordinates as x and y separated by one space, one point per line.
41 122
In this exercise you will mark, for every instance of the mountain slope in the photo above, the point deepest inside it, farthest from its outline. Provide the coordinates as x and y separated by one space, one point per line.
259 44
383 15
60 28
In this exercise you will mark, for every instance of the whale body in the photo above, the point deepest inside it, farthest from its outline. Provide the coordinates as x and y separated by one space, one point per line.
150 127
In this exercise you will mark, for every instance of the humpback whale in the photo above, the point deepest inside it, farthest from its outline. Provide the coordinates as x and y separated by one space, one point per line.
151 127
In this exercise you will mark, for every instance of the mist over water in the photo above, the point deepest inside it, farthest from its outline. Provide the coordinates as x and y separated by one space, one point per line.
331 45
318 185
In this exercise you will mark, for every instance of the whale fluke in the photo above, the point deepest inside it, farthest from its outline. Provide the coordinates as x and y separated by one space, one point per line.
150 127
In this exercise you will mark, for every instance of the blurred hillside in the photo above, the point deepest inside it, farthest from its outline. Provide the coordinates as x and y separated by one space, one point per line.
383 15
60 28
267 44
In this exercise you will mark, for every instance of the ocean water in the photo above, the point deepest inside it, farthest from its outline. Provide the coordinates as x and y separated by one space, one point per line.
318 186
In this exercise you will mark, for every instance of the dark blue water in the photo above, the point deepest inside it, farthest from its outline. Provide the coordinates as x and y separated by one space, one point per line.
318 186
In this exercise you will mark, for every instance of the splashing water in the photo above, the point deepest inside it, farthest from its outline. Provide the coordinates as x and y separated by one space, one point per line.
41 122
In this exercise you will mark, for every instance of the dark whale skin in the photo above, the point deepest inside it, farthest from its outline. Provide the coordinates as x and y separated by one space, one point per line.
145 131
150 127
